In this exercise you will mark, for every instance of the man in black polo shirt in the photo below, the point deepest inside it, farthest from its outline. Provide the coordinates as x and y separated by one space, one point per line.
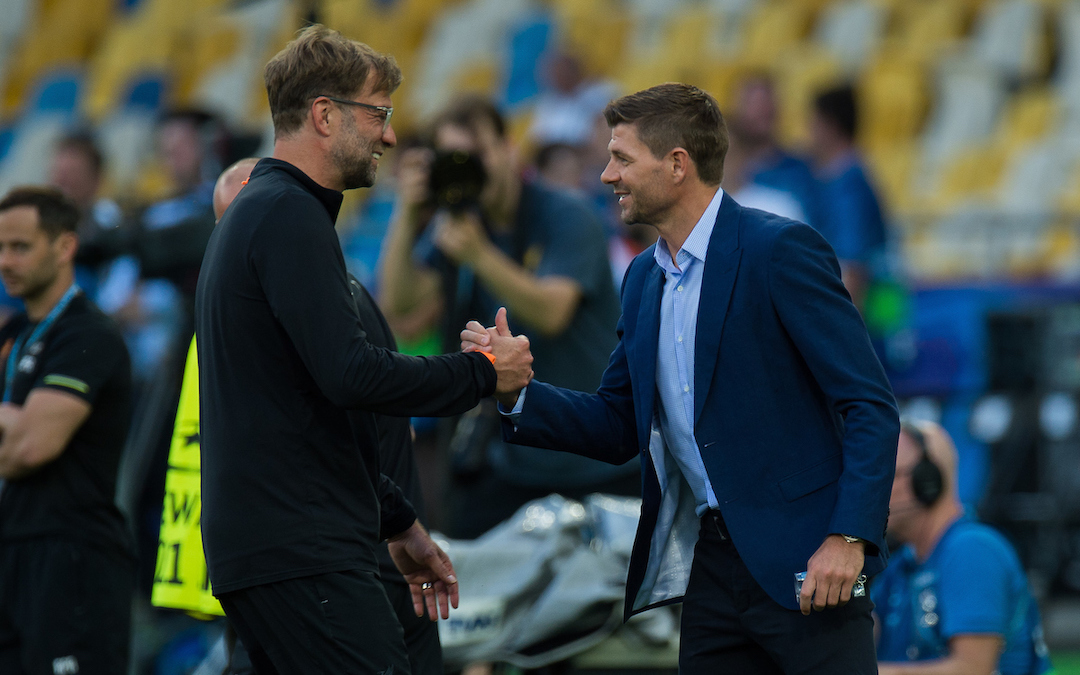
66 567
292 510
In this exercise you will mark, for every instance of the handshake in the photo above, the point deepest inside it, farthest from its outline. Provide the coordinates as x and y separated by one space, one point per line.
513 360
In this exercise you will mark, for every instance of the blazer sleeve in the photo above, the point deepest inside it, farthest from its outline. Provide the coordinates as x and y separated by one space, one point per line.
600 425
818 315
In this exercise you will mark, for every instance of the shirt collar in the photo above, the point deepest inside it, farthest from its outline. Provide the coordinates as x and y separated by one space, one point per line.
697 244
330 199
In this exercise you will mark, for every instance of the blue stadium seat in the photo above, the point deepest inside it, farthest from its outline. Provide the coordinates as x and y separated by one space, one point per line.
146 93
58 92
7 135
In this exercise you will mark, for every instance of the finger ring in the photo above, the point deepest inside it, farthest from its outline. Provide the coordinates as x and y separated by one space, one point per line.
426 586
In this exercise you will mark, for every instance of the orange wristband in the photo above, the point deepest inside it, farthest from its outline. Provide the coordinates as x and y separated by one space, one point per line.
490 357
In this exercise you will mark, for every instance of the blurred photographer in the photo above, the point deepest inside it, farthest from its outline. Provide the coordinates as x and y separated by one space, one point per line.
954 599
468 236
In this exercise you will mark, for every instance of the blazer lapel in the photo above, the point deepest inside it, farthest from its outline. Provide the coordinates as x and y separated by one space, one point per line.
717 283
644 365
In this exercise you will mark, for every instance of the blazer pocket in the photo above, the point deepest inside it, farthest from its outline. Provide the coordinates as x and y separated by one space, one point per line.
804 482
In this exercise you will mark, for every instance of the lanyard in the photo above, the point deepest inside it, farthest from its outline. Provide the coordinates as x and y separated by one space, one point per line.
38 332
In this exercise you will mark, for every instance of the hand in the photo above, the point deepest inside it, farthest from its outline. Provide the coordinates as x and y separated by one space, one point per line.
831 574
513 360
413 172
461 237
428 570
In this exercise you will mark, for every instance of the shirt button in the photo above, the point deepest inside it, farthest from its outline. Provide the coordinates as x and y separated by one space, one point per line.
686 388
679 288
680 338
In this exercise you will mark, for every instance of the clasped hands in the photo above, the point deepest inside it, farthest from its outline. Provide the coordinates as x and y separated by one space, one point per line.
513 359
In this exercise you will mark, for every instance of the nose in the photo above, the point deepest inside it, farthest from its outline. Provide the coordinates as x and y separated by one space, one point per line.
609 176
389 138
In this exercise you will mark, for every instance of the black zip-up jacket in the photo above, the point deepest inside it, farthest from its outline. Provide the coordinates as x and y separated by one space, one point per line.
288 489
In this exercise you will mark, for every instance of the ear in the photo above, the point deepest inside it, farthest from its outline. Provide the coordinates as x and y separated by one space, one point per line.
67 244
681 165
321 109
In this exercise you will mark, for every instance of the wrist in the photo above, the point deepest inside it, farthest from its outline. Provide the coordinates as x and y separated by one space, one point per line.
853 541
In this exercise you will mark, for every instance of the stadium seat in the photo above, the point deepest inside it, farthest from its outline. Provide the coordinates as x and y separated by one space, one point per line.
771 28
1037 175
923 29
27 160
134 46
228 80
801 73
893 100
970 96
1009 36
851 31
58 92
1068 69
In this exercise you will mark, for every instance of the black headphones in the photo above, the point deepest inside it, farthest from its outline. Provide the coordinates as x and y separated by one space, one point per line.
927 483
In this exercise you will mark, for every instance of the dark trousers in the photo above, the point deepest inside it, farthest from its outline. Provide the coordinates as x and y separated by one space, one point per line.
730 625
339 622
65 607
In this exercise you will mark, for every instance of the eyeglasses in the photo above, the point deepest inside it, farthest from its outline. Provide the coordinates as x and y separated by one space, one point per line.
386 112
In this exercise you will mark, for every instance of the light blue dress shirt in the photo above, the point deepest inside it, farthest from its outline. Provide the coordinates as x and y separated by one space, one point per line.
675 351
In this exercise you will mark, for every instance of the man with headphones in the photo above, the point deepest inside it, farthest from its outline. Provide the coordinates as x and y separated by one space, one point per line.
954 598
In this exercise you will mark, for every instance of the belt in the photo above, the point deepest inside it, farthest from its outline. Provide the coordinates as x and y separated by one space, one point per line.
713 520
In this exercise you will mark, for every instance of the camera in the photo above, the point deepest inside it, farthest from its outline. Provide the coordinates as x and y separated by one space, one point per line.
456 180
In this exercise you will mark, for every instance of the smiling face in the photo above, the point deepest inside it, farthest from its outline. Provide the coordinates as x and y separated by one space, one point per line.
30 261
361 141
639 178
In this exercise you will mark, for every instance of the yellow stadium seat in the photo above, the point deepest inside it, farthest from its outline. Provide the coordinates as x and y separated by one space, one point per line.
974 173
801 73
597 32
770 29
64 34
133 46
1029 116
893 101
922 28
893 167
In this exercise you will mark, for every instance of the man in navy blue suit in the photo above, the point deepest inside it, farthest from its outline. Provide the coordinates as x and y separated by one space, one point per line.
745 380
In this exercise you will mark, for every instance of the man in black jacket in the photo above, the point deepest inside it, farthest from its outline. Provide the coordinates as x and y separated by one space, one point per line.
288 525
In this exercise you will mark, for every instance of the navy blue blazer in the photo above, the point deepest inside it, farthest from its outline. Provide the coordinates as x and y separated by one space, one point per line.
793 415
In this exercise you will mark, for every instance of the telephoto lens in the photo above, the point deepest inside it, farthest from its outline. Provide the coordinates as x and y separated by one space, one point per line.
457 179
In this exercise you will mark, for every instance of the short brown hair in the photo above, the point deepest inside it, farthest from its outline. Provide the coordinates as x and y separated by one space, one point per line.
675 115
322 62
56 213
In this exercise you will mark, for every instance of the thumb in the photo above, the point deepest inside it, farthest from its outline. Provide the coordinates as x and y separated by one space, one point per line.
502 326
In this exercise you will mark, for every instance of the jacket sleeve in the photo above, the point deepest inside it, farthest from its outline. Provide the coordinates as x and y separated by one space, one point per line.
396 514
302 273
601 425
817 313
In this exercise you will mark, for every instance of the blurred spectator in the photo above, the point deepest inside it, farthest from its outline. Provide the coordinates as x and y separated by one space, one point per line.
78 169
569 103
560 166
540 252
66 567
851 220
758 173
954 599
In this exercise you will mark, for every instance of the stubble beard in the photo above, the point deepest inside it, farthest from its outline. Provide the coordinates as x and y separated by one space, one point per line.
353 159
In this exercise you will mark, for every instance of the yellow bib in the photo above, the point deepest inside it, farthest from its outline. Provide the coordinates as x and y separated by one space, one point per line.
180 580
